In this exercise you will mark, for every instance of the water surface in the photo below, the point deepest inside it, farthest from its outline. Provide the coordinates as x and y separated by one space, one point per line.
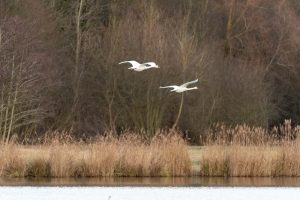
134 181
148 193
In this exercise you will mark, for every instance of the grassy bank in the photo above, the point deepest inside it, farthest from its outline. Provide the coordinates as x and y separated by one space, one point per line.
164 155
243 151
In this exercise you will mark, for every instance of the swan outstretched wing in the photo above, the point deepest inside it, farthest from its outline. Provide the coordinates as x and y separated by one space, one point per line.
148 64
170 86
188 83
132 62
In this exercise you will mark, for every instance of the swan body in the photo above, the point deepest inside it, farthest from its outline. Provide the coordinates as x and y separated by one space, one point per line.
181 88
138 67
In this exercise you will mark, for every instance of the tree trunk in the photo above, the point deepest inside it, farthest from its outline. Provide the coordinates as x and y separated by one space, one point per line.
179 113
77 71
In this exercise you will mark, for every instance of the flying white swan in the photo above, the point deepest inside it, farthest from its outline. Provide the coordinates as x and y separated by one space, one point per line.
138 67
181 88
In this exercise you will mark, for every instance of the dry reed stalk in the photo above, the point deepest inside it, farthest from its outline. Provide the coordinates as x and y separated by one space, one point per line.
10 162
240 161
246 152
130 155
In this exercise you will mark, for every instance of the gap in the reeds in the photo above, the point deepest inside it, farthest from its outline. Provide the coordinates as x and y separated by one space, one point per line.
59 155
244 151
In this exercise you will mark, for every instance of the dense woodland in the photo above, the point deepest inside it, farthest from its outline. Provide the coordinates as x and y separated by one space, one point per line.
59 65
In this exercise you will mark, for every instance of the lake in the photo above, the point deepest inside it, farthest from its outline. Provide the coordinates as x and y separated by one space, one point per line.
155 181
150 189
148 193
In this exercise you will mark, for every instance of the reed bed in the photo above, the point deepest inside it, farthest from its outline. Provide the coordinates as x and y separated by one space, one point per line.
243 151
129 155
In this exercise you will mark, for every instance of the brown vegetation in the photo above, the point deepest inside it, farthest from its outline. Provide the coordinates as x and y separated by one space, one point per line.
246 152
129 155
59 66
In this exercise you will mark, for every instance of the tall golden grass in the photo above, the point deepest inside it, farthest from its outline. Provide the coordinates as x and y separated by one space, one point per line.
128 155
243 151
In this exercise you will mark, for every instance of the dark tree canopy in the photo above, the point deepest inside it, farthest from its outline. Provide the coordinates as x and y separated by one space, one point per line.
59 64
